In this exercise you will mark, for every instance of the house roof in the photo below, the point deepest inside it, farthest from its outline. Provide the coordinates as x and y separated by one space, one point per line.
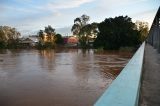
73 40
27 40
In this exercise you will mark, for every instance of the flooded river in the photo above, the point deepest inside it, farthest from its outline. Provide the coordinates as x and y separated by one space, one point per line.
68 77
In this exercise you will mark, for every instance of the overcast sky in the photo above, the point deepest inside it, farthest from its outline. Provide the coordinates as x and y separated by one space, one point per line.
29 16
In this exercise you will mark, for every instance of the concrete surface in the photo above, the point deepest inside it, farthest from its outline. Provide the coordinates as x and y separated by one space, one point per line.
150 90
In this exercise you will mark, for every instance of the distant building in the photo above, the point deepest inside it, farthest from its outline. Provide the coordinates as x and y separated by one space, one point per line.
35 38
28 42
72 40
65 39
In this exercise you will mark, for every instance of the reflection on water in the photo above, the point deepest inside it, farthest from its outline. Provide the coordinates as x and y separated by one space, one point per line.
68 77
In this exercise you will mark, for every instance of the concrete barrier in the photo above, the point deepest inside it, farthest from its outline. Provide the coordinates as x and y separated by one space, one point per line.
124 90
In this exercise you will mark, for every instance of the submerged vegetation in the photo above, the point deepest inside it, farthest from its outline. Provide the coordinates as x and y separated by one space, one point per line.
48 38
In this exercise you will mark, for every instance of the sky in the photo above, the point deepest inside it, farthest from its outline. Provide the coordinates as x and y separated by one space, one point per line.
29 16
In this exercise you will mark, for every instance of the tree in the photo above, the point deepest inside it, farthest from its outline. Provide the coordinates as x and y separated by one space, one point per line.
88 32
142 27
79 22
41 34
117 32
50 33
84 30
2 39
47 37
59 39
8 37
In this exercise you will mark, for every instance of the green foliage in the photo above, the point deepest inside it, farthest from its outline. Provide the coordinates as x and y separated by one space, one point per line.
59 39
49 45
8 37
50 33
46 45
41 34
143 28
13 44
84 30
79 22
117 32
46 38
2 45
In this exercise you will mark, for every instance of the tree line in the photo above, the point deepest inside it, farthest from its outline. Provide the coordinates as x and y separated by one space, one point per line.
10 38
112 34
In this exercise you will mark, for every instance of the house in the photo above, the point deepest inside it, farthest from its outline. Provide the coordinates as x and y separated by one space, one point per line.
28 42
72 40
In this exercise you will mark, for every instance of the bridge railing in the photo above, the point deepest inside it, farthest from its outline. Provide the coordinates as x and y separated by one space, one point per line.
154 33
124 90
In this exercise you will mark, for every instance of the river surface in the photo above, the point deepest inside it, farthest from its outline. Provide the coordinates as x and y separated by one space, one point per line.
69 77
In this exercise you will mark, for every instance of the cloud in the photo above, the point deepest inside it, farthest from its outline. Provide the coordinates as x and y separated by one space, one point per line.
32 15
31 7
147 15
116 4
67 4
2 8
112 8
65 31
26 1
17 9
141 13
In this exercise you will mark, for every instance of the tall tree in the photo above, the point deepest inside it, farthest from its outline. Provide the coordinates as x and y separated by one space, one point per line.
143 28
59 39
117 32
47 38
79 22
83 29
50 33
9 36
88 32
41 34
3 40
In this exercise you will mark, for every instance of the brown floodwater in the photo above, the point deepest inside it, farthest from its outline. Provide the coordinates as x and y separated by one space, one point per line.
69 77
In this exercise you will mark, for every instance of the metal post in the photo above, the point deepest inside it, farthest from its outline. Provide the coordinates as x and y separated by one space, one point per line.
158 31
154 33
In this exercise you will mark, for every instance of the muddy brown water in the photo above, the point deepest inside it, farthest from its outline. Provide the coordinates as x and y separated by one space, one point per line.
70 77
